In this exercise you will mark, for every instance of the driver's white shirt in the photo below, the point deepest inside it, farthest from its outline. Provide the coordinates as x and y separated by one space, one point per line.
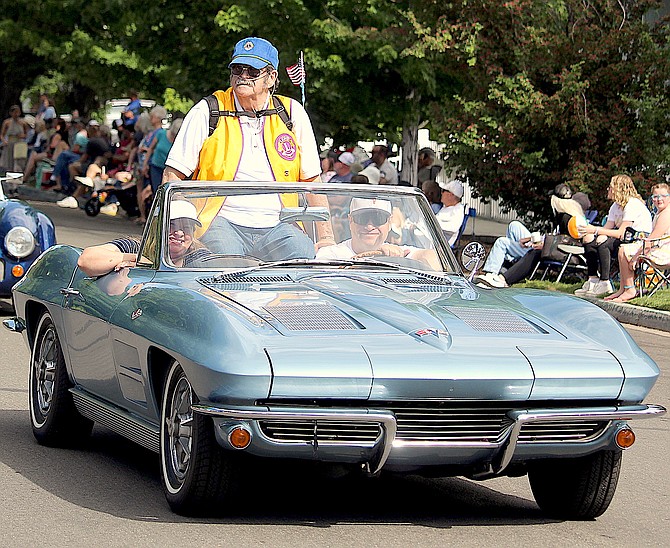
345 251
260 210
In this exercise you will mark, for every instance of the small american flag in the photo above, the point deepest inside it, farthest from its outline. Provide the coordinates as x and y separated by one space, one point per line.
297 75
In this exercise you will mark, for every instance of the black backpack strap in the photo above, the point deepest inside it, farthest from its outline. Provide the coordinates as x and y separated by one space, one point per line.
282 113
214 112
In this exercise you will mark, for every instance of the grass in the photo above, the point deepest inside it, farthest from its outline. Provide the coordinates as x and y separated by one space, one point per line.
660 300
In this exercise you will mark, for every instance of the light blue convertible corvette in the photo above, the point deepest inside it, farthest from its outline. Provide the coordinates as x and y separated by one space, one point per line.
377 353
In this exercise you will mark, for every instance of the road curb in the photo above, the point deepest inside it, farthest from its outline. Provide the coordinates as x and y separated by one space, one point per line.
635 315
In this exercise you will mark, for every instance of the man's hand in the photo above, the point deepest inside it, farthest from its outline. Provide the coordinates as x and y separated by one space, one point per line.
326 242
391 250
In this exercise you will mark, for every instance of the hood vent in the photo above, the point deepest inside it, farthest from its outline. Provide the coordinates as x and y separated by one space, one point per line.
429 284
310 317
492 320
240 281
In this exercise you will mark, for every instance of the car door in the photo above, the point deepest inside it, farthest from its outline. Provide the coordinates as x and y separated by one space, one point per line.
88 304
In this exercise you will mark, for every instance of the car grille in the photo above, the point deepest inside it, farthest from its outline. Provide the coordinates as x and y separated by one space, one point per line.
434 425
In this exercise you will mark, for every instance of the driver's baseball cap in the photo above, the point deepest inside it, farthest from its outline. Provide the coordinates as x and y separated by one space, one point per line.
181 209
369 203
255 52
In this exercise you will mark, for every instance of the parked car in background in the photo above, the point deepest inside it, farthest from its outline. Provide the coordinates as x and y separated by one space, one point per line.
375 356
25 233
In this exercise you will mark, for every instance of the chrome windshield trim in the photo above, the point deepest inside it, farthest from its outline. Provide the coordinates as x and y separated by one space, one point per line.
386 421
521 417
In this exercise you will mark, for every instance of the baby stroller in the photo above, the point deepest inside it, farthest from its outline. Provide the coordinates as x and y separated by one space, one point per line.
121 190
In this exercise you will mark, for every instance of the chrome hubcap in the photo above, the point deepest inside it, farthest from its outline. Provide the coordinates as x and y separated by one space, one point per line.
44 370
179 428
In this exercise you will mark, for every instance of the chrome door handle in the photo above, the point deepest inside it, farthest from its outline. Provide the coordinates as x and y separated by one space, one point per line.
69 292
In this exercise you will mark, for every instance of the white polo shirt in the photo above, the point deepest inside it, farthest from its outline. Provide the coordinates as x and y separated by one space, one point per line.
260 211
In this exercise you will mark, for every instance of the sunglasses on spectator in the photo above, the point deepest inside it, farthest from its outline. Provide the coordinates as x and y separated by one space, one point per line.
252 72
185 226
374 217
659 196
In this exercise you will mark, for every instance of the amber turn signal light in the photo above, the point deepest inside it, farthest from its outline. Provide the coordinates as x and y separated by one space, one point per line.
239 437
625 438
17 271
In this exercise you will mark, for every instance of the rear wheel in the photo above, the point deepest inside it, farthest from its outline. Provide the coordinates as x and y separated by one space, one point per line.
196 472
54 417
92 207
577 489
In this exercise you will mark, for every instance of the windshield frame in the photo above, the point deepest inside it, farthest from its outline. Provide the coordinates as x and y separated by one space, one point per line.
168 191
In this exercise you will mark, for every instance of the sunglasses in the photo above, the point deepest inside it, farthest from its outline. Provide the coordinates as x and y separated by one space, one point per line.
237 70
374 217
185 226
659 196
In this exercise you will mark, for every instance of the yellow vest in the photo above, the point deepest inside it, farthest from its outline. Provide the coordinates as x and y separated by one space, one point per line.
221 153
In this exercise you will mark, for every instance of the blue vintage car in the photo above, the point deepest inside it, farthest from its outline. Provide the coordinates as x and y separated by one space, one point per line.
25 232
376 354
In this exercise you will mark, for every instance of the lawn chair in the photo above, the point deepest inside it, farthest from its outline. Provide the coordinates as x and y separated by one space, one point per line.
469 212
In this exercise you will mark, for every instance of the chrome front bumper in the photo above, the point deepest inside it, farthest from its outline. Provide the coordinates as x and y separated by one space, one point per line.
387 423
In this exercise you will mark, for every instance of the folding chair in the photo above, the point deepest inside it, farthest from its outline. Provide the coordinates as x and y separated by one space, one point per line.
651 276
469 212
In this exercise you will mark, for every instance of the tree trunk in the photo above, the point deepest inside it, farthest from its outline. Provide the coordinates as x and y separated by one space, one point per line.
410 140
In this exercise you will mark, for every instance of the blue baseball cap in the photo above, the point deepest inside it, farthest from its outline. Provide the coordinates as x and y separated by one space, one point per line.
255 52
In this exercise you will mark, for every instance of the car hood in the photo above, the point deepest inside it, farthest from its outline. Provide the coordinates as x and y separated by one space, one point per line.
351 336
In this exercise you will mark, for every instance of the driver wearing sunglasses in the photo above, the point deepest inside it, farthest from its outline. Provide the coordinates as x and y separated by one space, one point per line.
370 223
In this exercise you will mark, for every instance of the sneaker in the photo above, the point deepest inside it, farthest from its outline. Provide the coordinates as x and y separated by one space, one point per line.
491 279
69 201
586 288
601 287
109 209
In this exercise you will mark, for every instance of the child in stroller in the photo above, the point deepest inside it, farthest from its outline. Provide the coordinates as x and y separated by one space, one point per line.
109 191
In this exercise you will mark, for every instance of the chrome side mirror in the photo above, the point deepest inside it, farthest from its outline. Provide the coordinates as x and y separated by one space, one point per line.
472 256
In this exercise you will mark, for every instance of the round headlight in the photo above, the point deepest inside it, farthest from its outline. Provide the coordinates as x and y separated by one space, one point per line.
19 242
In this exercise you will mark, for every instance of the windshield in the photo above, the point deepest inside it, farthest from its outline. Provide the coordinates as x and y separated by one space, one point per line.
217 226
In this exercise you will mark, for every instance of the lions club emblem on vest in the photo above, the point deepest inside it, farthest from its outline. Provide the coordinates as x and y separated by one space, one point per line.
286 147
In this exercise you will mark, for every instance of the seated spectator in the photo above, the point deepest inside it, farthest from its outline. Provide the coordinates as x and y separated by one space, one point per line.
370 224
58 143
185 251
512 247
518 246
389 174
657 250
427 170
367 176
121 153
451 214
62 176
327 166
342 167
600 243
433 194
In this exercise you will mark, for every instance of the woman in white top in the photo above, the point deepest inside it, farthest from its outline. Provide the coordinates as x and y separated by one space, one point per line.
656 246
601 243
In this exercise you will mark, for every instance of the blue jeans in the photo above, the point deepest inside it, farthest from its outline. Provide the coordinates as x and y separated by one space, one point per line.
281 242
63 161
507 247
155 176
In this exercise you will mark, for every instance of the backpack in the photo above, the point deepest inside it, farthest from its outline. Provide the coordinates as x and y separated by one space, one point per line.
215 113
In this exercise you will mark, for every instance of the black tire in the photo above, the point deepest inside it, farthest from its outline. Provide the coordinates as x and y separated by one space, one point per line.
196 473
92 207
53 415
576 489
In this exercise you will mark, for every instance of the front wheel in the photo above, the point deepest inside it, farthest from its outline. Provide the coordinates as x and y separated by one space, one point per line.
53 415
196 473
577 489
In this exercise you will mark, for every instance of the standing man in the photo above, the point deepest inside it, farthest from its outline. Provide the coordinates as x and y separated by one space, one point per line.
132 112
251 142
389 175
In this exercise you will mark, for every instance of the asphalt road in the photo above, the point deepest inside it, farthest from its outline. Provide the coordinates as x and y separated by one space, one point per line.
108 492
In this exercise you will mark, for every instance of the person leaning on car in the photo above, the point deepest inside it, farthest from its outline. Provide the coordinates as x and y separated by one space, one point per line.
251 142
370 223
185 250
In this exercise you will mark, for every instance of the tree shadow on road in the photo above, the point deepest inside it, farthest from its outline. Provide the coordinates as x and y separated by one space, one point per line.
112 475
